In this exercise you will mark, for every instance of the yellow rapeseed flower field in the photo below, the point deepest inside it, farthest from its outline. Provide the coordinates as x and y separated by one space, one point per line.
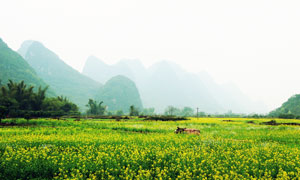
137 149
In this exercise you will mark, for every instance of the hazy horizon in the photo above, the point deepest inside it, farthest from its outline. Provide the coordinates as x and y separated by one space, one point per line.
253 44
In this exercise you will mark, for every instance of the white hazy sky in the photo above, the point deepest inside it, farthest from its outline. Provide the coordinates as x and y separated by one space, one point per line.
252 43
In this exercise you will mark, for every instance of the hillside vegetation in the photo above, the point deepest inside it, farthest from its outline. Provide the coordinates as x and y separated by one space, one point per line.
77 87
61 77
290 108
14 67
119 93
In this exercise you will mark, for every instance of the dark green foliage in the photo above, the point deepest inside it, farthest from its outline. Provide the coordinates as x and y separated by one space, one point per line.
274 123
15 68
288 110
165 118
19 100
287 116
60 104
119 93
133 111
3 112
27 116
95 108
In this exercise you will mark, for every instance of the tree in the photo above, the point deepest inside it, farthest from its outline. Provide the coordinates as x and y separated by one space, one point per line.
38 98
109 113
172 111
95 108
27 116
148 111
119 113
8 104
202 114
187 111
3 112
20 100
133 111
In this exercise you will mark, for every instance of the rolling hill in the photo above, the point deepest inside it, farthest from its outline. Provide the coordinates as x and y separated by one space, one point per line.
291 106
119 93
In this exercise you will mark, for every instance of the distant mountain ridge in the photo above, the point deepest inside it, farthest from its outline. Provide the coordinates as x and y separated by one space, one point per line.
165 83
93 67
61 77
14 67
231 97
69 82
159 86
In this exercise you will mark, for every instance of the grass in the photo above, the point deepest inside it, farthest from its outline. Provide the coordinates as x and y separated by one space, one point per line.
137 149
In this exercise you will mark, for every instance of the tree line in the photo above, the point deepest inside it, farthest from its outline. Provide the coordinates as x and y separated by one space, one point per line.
20 100
97 108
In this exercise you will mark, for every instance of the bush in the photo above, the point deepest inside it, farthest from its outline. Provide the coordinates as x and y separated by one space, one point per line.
287 116
165 118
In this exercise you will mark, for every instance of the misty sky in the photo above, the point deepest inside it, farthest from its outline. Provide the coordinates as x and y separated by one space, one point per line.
254 44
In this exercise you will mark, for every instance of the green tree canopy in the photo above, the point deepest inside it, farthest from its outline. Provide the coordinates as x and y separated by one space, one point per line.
95 108
18 100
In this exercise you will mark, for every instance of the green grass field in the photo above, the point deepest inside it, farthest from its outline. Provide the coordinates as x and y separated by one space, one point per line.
137 149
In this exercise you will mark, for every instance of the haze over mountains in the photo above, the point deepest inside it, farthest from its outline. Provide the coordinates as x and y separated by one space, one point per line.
126 83
166 83
61 77
67 81
14 67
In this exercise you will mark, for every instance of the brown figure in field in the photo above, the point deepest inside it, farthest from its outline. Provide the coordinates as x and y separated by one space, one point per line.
188 131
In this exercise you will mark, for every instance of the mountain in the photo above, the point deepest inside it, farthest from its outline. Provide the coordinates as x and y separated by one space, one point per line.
291 106
230 96
14 67
119 93
165 83
161 85
101 72
168 84
61 77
